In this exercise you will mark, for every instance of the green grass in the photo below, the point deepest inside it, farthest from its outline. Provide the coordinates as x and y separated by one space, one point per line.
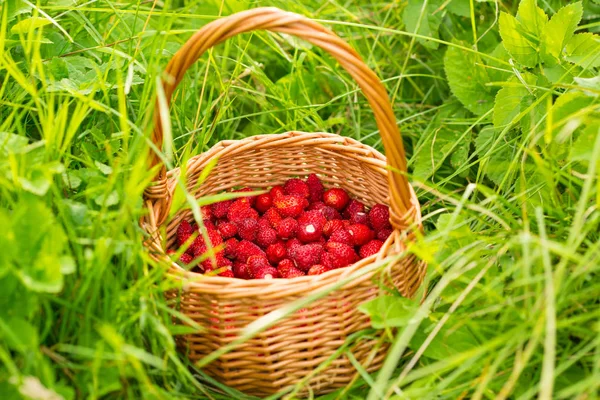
507 175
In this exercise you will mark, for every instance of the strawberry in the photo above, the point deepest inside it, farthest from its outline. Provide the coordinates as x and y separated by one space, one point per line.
184 231
291 244
263 202
309 232
240 270
330 213
186 258
315 188
247 228
227 274
342 236
287 269
336 198
219 210
384 234
206 212
359 218
327 260
370 248
317 270
231 247
208 224
227 229
296 187
353 207
276 191
245 249
240 209
314 217
332 226
379 217
361 234
307 255
289 206
287 228
342 254
266 237
317 205
266 273
273 217
218 261
257 262
199 247
250 199
276 252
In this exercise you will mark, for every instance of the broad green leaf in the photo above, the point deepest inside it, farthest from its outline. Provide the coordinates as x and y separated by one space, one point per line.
559 31
389 311
567 106
499 156
430 20
535 118
449 341
583 148
467 79
19 334
440 143
584 50
532 18
508 105
590 83
27 24
460 7
557 73
518 45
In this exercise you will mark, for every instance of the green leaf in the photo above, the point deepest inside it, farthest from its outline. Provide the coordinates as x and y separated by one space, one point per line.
558 73
449 341
532 18
430 20
590 83
467 78
19 334
497 163
534 119
460 7
584 50
518 45
559 31
508 105
583 148
29 23
389 311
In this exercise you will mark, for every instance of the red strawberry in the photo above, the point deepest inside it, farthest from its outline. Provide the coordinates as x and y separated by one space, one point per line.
218 261
199 247
309 232
330 213
276 191
332 226
291 244
251 199
240 209
317 205
227 274
227 229
314 217
317 270
256 263
287 269
287 228
342 236
240 270
353 207
231 247
307 255
245 249
184 231
315 188
370 248
206 212
336 198
186 258
384 234
361 234
273 217
263 202
342 254
266 273
296 187
266 237
289 206
219 210
327 260
359 218
276 252
247 228
379 217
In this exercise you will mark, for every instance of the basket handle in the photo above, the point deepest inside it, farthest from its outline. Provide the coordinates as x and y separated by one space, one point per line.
276 20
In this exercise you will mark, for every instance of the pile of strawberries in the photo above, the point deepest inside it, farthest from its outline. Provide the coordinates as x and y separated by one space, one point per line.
293 230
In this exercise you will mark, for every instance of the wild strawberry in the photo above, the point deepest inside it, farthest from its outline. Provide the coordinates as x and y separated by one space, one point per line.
287 269
313 217
309 232
266 237
291 244
206 212
315 188
273 217
257 262
276 191
296 187
240 270
361 234
247 228
219 210
317 270
327 260
332 226
184 231
342 254
266 273
353 207
289 206
379 217
287 228
336 198
208 224
342 236
240 209
276 252
186 258
370 248
384 234
227 229
230 250
245 249
219 261
199 247
227 274
263 202
317 205
307 255
330 213
359 218
251 199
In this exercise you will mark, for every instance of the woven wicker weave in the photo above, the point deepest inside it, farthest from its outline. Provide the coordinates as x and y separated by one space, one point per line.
289 351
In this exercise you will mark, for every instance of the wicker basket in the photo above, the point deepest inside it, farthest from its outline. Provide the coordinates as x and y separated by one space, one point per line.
284 354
